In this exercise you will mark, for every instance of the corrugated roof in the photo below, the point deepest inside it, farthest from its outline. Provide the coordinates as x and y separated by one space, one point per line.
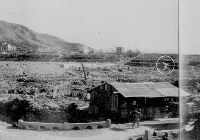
135 90
160 85
168 92
150 89
164 88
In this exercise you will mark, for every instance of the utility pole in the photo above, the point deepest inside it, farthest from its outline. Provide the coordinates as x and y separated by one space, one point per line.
84 73
197 90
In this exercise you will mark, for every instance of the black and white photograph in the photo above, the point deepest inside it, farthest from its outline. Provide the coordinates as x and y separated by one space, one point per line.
189 76
99 69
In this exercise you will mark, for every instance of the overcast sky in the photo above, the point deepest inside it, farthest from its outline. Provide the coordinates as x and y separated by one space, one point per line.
190 26
148 25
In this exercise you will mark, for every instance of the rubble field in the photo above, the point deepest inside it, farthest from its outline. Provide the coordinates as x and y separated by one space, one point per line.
61 83
53 85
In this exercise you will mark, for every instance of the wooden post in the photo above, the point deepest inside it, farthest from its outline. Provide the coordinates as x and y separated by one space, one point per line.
128 107
145 109
108 123
147 135
84 71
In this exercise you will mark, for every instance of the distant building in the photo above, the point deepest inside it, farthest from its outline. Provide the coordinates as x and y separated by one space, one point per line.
119 50
5 47
11 48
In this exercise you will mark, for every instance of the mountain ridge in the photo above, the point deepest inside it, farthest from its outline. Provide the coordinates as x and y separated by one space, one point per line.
19 34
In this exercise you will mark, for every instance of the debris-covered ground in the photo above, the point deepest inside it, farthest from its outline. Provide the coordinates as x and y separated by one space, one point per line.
54 84
63 83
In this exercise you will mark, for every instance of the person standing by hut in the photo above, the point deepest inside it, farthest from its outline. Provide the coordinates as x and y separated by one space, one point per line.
136 118
166 137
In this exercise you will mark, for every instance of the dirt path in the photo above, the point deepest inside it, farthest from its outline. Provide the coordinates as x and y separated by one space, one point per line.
122 133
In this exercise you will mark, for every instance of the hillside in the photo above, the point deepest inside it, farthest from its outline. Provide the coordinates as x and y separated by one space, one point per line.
21 36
